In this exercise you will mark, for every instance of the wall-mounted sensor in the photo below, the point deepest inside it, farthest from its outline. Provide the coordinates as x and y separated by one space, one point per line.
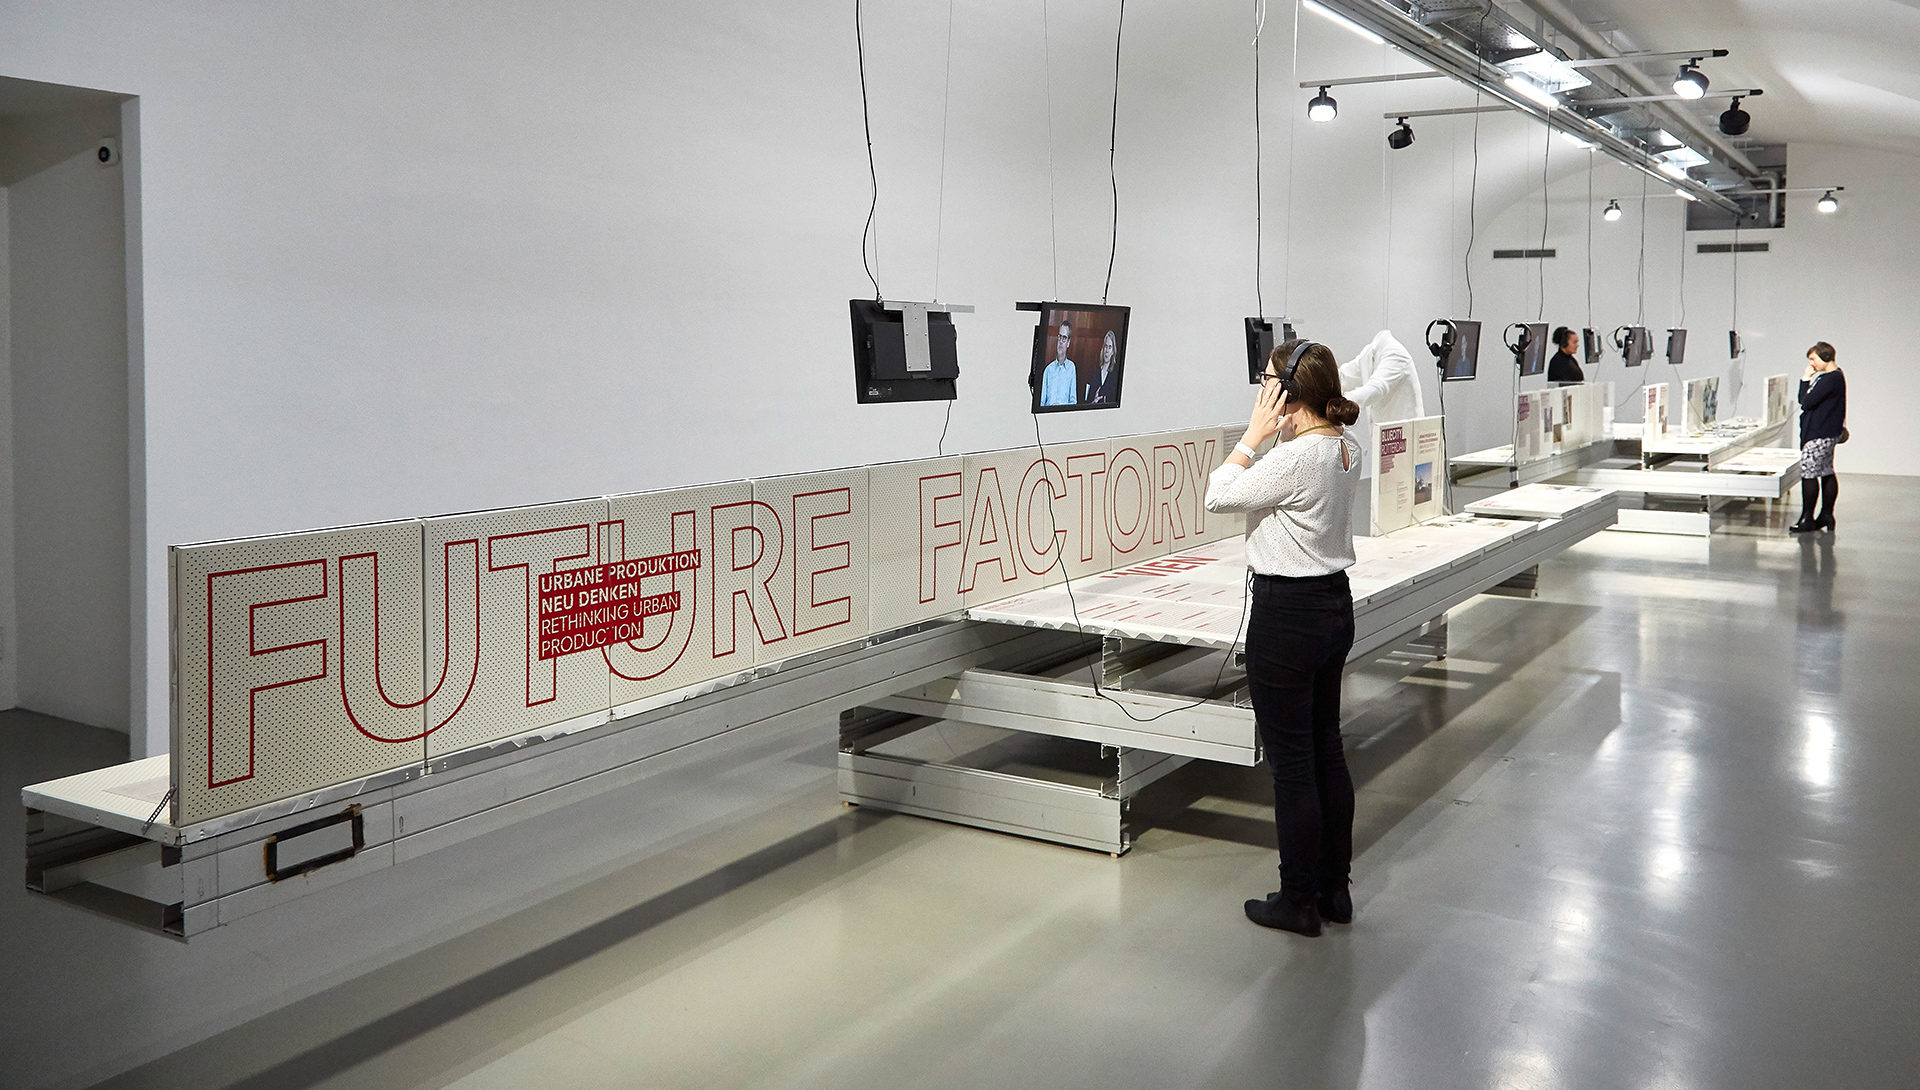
107 152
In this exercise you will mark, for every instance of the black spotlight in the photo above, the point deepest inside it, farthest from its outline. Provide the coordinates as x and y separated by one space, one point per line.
1735 121
1400 137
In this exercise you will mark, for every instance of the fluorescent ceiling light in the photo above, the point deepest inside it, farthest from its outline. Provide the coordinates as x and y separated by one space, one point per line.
1673 170
1334 16
1533 91
1678 192
1546 70
1576 141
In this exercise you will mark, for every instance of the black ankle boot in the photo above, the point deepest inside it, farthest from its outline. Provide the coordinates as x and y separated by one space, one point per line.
1804 526
1337 906
1286 911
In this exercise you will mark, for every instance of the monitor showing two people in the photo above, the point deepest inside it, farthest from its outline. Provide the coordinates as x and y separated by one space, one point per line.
1079 357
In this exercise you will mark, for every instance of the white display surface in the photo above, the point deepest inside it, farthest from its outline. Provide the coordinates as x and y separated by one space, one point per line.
1540 501
1197 596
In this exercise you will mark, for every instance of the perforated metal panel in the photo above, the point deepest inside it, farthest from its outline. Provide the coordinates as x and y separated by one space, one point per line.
917 521
819 591
514 690
291 672
675 649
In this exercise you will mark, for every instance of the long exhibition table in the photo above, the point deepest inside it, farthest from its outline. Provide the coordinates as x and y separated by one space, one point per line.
1156 622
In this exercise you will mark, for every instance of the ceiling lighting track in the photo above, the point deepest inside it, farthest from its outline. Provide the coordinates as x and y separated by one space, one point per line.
1437 51
1625 59
1561 18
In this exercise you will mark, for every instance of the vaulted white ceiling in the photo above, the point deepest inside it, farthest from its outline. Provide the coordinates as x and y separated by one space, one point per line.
1834 71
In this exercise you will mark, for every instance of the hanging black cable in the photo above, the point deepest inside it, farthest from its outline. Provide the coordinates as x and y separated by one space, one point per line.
866 123
1540 262
1074 608
1259 300
1473 196
1113 134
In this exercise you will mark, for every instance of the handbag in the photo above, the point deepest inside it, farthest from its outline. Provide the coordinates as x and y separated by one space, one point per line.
1844 434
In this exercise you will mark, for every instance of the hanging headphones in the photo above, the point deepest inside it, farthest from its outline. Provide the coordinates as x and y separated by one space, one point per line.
1620 338
1444 345
1520 343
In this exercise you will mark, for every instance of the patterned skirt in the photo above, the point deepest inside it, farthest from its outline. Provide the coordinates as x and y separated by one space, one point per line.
1816 458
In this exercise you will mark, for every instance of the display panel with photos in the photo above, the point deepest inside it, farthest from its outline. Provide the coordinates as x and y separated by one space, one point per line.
1079 357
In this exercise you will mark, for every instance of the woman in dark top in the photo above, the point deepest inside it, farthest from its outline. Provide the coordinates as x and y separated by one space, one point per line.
1565 366
1823 416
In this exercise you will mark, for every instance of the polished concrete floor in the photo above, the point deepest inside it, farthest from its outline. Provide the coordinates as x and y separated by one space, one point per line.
1651 829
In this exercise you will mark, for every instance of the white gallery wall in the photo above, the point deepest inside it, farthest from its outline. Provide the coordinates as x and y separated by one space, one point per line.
416 258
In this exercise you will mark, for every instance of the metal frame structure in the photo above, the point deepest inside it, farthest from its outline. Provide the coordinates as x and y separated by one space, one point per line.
87 845
1131 753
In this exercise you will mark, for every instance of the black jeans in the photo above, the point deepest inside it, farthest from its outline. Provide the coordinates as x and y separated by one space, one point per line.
1298 635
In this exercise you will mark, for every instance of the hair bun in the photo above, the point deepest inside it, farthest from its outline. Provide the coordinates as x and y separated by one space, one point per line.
1341 411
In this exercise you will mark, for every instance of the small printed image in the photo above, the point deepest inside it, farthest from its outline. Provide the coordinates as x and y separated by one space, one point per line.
1423 482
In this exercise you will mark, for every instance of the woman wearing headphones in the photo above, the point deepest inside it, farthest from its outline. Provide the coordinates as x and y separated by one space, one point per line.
1299 504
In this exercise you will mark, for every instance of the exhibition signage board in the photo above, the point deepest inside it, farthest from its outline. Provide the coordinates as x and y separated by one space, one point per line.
1703 404
1558 419
1409 457
311 659
1654 424
1779 399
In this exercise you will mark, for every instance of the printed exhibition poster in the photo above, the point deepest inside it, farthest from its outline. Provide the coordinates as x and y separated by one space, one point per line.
1654 426
1409 458
1779 399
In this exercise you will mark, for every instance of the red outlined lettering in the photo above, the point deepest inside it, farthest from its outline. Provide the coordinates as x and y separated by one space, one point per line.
810 509
1169 484
930 520
224 698
736 584
635 660
1197 463
542 550
1090 497
468 640
1040 543
987 528
1124 494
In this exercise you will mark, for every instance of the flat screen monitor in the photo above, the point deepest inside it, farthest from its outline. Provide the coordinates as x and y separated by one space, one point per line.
1532 355
1593 345
1079 357
1463 355
1676 346
880 372
1260 342
1734 347
1637 347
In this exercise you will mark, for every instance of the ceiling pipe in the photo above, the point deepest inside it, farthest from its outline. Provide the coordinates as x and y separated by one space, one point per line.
1562 19
1436 50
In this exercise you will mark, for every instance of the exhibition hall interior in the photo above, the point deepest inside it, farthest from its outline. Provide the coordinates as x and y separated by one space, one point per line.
825 545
